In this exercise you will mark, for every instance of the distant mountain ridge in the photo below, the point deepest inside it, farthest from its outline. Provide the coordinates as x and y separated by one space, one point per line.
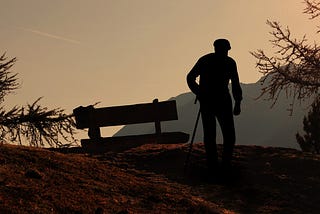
258 124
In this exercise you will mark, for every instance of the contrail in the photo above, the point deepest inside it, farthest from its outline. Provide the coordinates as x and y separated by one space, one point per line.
50 35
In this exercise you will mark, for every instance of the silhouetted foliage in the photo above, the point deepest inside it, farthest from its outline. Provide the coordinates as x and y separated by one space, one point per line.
32 124
310 141
294 68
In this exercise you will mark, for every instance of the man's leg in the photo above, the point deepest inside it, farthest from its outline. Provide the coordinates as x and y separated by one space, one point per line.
226 122
209 137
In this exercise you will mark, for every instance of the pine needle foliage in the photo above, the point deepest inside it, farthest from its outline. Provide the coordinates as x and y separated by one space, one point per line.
32 124
310 141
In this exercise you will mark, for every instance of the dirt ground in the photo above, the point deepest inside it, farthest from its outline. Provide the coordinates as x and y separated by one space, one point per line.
151 179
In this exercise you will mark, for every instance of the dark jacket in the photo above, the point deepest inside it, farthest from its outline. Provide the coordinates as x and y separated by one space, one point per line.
215 73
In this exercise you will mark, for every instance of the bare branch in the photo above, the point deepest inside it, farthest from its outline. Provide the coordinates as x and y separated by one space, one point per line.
312 8
294 67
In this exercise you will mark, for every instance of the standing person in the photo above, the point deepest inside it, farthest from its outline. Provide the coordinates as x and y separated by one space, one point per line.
215 71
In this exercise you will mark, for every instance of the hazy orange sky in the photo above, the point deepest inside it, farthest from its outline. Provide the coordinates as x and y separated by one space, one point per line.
78 52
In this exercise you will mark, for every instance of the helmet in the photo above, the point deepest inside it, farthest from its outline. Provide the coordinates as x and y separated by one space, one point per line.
222 44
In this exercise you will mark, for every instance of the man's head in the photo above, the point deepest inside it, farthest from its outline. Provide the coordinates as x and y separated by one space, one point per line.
222 46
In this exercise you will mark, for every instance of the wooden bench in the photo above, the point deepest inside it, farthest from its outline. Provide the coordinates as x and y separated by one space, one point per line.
94 118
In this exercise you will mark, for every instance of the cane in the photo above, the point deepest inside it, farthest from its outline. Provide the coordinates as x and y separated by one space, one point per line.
186 163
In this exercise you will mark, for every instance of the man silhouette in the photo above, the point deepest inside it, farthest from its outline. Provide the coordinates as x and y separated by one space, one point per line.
215 71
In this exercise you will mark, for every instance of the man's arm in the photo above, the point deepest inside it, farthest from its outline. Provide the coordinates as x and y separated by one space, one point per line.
236 90
191 79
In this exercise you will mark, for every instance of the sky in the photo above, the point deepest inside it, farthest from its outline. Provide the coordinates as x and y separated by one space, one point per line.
116 52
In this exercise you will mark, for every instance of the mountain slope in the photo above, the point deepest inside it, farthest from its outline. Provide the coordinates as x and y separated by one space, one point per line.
258 124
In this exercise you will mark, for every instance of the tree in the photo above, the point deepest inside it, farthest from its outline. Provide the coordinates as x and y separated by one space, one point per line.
34 124
294 68
310 141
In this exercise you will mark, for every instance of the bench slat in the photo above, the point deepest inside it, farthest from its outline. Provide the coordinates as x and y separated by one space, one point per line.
122 143
128 114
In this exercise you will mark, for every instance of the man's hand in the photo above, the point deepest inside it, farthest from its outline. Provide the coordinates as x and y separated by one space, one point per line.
237 108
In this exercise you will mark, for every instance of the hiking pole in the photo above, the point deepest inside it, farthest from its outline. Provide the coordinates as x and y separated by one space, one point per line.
186 163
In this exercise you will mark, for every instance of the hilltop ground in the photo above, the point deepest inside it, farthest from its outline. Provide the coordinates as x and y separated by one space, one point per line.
150 179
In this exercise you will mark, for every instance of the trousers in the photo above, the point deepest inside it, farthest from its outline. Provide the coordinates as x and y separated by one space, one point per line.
219 110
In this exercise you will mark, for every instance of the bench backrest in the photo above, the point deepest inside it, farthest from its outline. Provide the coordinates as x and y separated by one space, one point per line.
87 117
